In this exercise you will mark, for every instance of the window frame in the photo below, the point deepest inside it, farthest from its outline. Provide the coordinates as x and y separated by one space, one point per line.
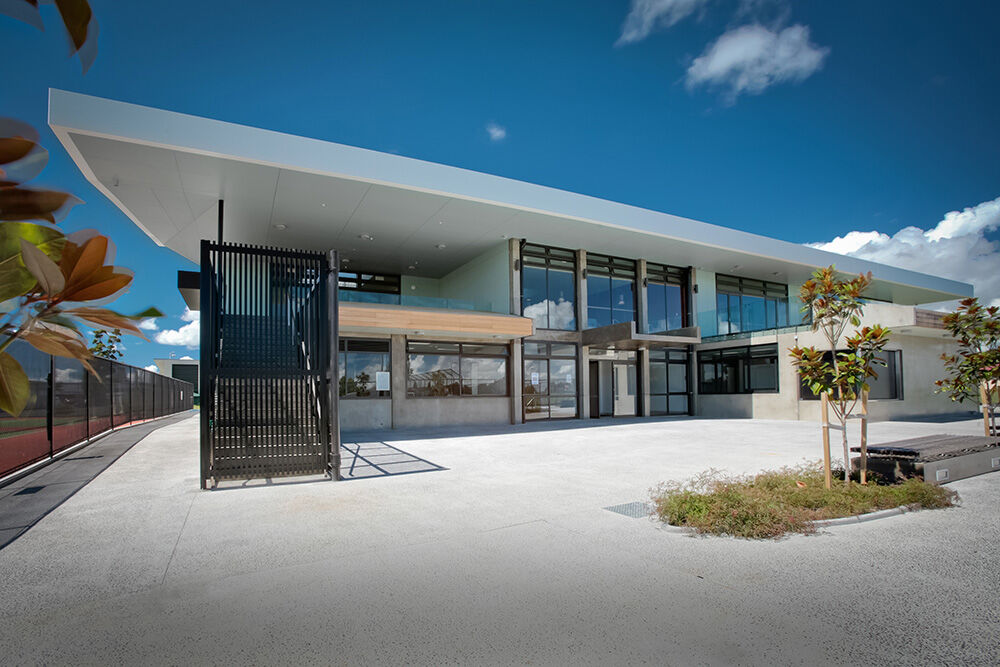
612 268
669 359
548 258
742 355
460 355
665 274
547 356
344 347
773 294
805 394
369 281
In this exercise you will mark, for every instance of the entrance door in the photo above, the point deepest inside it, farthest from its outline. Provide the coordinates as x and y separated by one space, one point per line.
624 381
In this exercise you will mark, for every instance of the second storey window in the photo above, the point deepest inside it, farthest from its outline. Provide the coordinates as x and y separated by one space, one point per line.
666 296
548 293
456 369
743 304
610 290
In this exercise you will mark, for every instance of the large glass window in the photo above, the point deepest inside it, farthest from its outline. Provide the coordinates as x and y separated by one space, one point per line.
666 297
550 381
738 370
361 361
610 290
743 304
456 369
887 386
668 382
548 291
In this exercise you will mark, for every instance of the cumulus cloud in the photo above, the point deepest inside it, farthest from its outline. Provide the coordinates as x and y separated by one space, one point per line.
645 16
152 367
186 358
188 335
751 58
956 247
496 132
149 324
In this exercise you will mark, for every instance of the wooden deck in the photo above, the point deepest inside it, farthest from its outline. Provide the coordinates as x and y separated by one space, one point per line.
934 458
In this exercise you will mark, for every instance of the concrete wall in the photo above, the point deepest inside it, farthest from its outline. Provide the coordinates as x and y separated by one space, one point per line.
483 280
418 286
725 406
365 413
454 410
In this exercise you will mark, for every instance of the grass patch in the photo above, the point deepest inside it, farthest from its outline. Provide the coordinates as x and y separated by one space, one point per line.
773 503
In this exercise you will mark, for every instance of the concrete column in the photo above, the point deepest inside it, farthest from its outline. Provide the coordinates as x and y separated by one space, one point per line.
397 362
514 246
692 381
643 363
516 371
692 298
641 297
583 382
581 290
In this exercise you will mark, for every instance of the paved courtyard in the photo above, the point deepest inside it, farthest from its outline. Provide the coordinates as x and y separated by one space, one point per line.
503 555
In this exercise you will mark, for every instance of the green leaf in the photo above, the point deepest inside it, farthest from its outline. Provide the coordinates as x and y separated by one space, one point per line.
14 386
149 312
15 279
47 272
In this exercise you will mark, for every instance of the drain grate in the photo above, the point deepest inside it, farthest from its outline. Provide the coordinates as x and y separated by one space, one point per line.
636 510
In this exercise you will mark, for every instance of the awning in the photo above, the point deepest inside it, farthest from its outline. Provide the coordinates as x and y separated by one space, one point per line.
623 336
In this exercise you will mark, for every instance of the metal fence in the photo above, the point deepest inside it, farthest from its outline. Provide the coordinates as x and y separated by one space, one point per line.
68 405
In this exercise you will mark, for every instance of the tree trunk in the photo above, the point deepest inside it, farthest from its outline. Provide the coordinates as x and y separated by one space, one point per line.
864 436
847 451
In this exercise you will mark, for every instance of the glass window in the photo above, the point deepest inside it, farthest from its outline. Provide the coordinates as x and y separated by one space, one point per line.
666 287
548 287
739 370
482 376
562 350
887 386
657 378
360 363
744 304
610 290
453 369
656 298
668 379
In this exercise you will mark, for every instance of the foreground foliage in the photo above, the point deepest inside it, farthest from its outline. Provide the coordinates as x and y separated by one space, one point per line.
773 503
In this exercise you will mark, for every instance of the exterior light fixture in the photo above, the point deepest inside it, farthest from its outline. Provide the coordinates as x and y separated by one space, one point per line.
441 246
281 227
366 237
411 267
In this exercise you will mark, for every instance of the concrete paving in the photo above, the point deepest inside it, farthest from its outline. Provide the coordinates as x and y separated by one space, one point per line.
503 557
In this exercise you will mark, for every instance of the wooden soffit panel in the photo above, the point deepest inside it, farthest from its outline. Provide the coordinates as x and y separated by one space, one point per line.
378 318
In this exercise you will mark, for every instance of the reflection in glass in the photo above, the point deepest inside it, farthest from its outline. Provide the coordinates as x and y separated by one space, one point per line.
484 377
433 375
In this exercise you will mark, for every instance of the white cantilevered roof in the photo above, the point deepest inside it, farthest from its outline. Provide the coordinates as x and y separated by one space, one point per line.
167 171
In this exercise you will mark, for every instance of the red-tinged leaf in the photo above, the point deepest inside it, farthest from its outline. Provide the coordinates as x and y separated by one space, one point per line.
24 204
85 261
101 289
76 15
107 318
14 386
41 266
13 149
54 343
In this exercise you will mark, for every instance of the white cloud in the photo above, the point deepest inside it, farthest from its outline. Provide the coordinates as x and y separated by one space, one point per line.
149 324
955 248
188 335
645 16
496 132
186 358
152 367
751 58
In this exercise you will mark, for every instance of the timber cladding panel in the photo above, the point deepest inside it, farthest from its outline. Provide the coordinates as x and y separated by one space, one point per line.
394 319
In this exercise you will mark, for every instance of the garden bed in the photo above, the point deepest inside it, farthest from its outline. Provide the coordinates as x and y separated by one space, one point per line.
790 500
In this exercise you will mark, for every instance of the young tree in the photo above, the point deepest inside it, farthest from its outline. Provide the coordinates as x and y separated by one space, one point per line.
974 373
842 376
105 344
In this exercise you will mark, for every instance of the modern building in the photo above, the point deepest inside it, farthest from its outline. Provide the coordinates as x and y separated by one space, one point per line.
471 298
180 369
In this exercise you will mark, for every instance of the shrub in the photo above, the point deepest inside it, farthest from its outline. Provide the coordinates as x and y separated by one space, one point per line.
773 503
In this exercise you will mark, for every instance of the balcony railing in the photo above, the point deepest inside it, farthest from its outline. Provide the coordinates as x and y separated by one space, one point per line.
416 301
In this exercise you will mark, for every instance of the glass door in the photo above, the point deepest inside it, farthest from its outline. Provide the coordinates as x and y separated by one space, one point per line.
624 382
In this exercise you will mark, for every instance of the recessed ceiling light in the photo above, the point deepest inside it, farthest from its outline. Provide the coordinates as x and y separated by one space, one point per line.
323 204
440 222
280 226
346 260
411 267
366 236
440 246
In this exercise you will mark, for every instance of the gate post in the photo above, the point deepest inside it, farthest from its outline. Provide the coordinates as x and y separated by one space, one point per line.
207 331
333 359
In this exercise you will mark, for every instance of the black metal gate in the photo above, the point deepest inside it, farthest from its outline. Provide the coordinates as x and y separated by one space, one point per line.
268 392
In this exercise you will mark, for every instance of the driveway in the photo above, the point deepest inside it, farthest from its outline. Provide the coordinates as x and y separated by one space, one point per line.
504 556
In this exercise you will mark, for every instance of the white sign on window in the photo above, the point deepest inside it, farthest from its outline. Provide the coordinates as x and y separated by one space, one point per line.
381 380
534 378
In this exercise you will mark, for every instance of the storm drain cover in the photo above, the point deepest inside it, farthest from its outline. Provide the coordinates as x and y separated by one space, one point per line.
636 510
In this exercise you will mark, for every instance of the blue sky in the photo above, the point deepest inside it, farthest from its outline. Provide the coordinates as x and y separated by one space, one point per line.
805 121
